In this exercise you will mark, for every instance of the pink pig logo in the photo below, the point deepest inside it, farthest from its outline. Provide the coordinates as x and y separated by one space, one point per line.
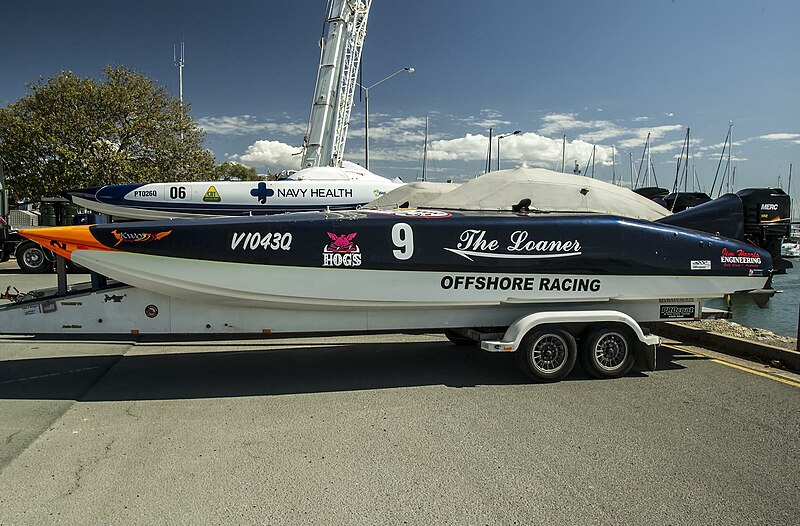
343 243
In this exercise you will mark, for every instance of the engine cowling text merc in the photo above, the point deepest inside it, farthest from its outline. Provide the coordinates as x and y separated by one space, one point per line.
520 283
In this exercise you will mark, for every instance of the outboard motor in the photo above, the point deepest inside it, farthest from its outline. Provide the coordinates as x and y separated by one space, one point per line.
680 201
759 216
767 220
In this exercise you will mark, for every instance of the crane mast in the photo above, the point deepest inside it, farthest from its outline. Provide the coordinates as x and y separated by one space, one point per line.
337 75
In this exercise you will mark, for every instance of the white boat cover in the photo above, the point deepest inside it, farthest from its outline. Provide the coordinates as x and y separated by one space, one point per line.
416 194
548 191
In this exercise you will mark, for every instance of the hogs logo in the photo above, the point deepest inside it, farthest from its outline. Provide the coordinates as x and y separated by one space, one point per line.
341 251
138 237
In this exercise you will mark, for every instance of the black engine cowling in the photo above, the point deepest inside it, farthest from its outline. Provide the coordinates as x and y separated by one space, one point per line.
760 216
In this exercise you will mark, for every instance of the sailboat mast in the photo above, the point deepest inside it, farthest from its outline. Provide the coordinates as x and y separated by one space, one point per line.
649 161
686 167
425 153
630 163
730 166
563 152
489 154
613 166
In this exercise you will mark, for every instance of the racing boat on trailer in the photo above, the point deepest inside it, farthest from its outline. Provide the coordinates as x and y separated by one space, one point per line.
525 266
315 188
482 245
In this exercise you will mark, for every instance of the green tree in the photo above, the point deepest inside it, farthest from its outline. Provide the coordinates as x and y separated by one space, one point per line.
229 171
72 132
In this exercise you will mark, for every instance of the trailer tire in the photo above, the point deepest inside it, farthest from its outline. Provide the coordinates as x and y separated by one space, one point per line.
547 354
31 258
607 352
457 339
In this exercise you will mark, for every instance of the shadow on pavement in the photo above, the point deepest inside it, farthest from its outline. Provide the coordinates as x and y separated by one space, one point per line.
210 374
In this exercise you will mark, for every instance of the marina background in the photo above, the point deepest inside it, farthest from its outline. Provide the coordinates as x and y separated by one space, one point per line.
781 313
601 73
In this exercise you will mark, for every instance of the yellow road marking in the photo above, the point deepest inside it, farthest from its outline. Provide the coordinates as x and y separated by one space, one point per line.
759 373
735 366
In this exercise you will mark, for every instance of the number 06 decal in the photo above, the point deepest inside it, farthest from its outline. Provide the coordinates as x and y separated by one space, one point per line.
403 239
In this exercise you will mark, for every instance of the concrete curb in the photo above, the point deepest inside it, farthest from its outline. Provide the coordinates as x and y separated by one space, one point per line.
727 344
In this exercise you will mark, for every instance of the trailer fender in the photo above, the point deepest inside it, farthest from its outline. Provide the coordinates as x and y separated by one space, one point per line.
517 330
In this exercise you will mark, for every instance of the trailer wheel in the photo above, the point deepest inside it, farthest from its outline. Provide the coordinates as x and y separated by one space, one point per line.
607 352
32 259
457 339
547 354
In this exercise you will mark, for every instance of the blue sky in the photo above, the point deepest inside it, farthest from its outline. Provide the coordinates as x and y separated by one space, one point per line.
602 72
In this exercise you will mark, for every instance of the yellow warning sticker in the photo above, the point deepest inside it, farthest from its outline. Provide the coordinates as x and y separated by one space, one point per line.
212 196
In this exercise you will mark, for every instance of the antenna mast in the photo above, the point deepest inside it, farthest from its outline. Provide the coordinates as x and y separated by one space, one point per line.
179 62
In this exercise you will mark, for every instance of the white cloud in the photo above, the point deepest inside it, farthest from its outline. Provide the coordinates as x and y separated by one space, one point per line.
640 135
248 124
486 119
596 131
779 137
528 148
669 114
396 129
558 123
641 118
468 148
272 154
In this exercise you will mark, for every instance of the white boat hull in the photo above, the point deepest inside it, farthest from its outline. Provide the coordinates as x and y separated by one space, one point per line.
284 287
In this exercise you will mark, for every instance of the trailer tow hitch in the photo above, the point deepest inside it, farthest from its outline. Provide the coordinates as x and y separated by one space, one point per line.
12 296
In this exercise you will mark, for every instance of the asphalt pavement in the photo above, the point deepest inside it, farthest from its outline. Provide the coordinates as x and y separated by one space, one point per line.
384 429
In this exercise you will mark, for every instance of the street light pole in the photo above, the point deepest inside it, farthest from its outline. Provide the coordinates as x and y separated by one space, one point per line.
503 136
366 111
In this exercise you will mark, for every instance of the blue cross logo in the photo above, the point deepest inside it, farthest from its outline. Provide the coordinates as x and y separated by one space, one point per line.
262 192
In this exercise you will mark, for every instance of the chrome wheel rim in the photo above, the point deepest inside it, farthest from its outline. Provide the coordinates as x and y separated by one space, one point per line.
610 351
549 353
33 257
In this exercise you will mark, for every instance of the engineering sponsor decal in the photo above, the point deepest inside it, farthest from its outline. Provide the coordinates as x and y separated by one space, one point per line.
739 257
138 237
675 300
212 196
549 284
474 243
411 213
704 264
341 251
676 311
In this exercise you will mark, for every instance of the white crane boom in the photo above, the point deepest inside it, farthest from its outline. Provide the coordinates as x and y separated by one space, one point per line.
340 58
